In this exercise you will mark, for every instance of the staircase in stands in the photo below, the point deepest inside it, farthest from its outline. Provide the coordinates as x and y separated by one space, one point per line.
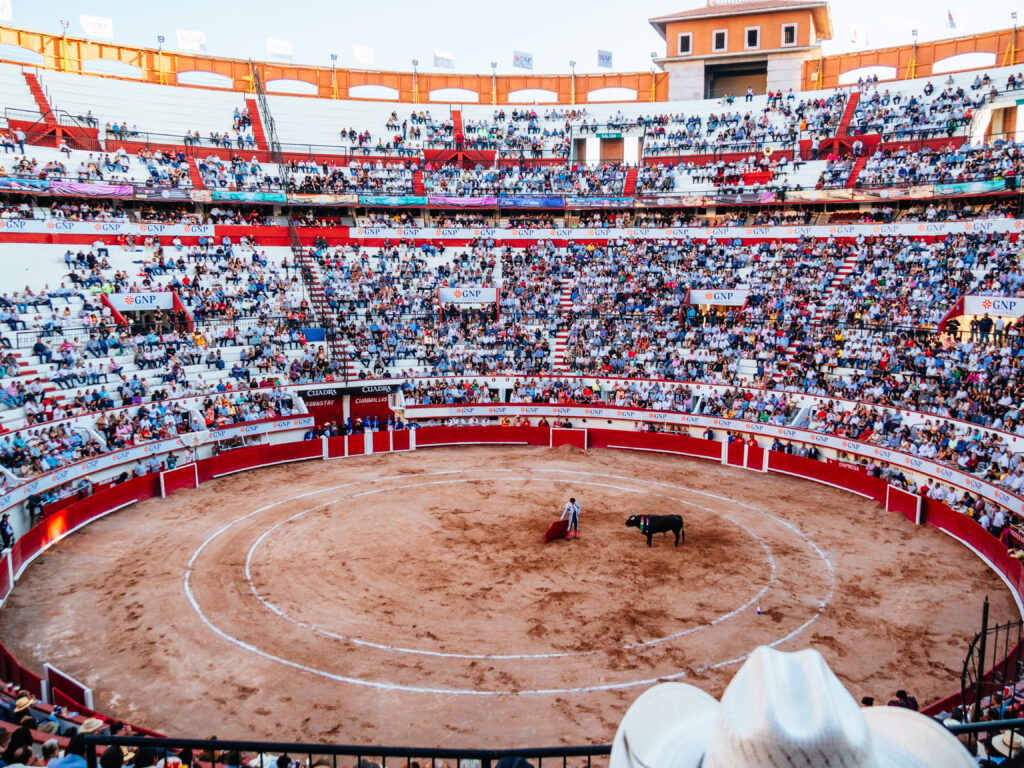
194 175
851 107
844 270
629 188
37 93
858 166
257 124
418 187
562 337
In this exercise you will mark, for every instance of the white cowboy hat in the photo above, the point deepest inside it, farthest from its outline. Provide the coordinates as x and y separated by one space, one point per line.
781 710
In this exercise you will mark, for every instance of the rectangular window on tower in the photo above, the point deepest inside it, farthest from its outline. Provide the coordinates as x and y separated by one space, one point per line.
720 40
753 38
789 34
685 44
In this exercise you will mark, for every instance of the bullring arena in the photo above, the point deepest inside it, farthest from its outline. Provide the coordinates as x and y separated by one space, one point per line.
409 598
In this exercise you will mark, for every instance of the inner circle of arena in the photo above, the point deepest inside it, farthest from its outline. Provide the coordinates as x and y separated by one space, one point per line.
351 596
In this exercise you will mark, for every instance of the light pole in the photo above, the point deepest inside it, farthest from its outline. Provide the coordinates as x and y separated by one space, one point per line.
415 94
572 83
160 56
494 83
912 67
334 82
1013 40
654 55
64 23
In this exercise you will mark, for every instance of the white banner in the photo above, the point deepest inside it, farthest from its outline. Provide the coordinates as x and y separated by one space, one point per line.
522 60
362 54
604 59
282 48
6 11
140 302
717 297
941 472
445 59
191 40
910 229
996 306
469 294
102 229
97 26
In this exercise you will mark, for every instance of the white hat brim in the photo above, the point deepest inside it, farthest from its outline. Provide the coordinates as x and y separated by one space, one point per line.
667 725
903 738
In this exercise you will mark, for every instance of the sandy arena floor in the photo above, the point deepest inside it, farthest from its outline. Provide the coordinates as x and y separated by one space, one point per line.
408 599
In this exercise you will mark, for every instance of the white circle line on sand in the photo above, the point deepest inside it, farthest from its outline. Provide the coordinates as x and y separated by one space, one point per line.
504 656
464 691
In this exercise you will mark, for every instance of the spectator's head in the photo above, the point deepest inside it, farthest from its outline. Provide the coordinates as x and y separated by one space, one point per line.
781 709
112 757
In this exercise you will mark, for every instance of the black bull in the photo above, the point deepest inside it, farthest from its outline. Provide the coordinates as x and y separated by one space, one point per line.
649 525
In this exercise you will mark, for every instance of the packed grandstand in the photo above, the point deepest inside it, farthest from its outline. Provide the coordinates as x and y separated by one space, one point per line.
831 273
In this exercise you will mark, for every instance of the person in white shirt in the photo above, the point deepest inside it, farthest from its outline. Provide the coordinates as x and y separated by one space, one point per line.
572 511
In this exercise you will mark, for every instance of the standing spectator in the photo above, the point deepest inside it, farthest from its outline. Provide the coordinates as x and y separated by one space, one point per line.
6 532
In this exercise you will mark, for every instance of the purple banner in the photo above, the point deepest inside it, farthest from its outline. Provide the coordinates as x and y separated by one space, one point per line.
463 202
91 190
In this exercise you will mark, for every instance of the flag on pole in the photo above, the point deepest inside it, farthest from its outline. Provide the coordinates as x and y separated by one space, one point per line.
444 59
950 21
191 39
362 54
96 26
522 60
604 59
6 13
280 48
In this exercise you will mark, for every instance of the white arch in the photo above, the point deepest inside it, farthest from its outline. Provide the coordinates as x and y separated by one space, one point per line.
111 67
851 77
285 85
201 77
976 60
531 95
612 94
459 95
18 53
373 92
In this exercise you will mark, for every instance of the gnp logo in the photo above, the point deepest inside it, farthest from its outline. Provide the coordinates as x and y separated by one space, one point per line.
141 300
789 433
563 411
152 228
657 416
946 472
530 409
63 226
466 293
251 429
464 410
1000 305
915 462
449 232
13 224
123 455
718 295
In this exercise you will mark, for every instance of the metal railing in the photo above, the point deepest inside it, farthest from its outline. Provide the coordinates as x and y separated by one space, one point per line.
345 756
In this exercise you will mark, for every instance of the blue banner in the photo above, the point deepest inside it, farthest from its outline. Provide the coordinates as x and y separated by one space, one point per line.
26 185
392 200
599 202
531 202
970 188
249 197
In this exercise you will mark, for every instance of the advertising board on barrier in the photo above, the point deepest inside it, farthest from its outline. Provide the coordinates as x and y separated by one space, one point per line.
514 201
129 455
598 202
392 200
140 302
310 199
102 229
909 229
91 190
717 297
463 202
946 474
248 197
996 306
467 294
336 392
164 193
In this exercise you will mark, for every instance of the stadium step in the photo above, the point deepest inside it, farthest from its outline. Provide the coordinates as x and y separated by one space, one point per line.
38 95
565 300
846 268
418 187
851 107
457 120
858 166
194 175
630 186
558 356
257 124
